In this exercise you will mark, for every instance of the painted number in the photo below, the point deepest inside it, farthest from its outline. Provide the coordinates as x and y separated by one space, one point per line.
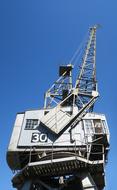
39 137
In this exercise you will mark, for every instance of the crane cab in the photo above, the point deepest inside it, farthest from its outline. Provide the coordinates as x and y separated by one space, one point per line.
31 136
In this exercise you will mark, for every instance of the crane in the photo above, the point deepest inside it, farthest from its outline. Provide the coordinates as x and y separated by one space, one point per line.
65 144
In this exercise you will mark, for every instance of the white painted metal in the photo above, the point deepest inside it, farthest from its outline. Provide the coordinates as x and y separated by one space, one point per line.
87 182
56 119
22 137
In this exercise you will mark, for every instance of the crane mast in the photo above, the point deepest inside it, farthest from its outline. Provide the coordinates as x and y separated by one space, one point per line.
86 81
65 144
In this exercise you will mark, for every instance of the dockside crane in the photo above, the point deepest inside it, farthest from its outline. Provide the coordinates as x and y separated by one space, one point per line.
65 144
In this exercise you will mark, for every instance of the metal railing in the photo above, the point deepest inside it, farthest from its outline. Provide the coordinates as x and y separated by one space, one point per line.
89 152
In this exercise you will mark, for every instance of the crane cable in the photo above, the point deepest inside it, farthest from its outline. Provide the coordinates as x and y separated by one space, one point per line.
74 59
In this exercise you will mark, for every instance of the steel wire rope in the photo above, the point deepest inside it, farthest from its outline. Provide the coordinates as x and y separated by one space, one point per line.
74 59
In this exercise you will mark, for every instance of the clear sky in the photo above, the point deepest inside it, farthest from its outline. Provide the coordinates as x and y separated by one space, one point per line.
36 36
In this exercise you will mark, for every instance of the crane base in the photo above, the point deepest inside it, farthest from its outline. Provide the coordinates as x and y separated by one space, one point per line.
82 181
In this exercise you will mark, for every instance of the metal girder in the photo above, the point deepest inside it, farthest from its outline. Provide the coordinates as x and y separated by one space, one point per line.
86 80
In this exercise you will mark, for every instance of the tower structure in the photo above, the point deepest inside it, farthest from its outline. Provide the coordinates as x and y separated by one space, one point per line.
65 144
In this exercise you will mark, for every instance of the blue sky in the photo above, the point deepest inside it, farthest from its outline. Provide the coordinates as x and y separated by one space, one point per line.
36 36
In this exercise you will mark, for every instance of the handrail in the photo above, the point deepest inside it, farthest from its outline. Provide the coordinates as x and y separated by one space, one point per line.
75 150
